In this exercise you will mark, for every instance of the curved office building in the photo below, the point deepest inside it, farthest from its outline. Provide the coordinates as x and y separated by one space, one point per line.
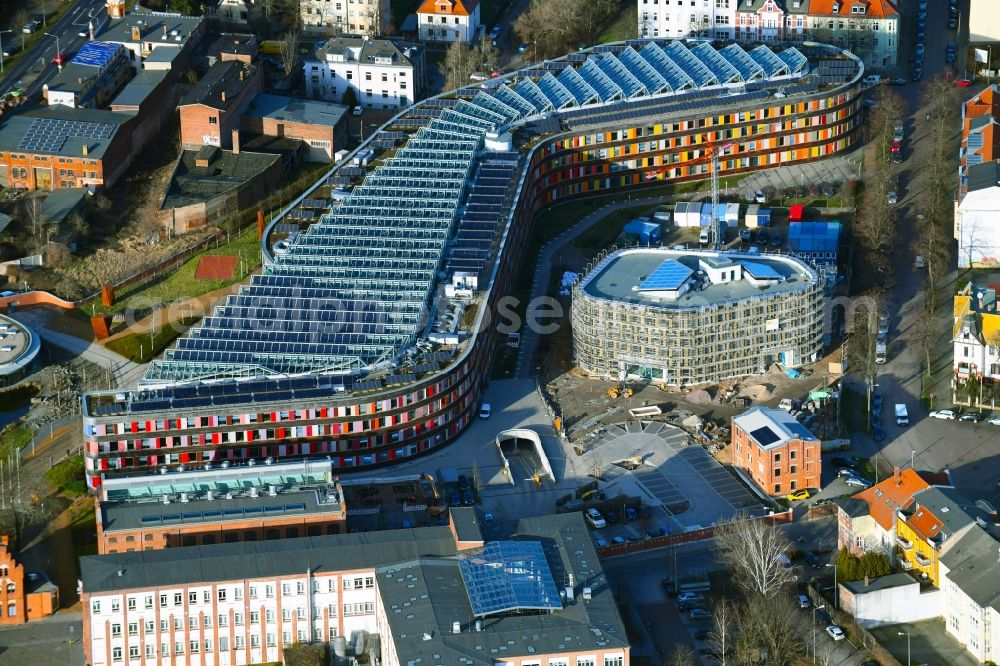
692 317
363 338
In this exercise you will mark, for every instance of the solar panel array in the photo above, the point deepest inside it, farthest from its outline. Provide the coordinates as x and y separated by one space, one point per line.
509 576
48 135
96 54
671 274
350 291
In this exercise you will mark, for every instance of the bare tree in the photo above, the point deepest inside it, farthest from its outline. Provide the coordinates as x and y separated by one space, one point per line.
459 63
35 217
290 50
771 632
753 551
723 630
558 26
681 655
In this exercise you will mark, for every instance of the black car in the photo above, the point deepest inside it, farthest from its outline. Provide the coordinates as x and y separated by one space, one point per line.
688 606
463 483
762 237
468 499
611 517
813 560
898 81
747 235
777 240
972 417
840 461
878 434
702 635
822 618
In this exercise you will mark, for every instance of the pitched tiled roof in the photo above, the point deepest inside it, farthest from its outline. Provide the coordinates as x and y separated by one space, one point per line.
940 512
457 7
874 9
896 492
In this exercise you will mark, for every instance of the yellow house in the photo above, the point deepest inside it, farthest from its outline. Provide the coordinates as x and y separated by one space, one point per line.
937 518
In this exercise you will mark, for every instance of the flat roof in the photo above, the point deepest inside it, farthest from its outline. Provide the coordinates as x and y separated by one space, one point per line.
60 130
771 427
140 87
194 184
296 110
881 583
121 516
617 276
151 28
14 341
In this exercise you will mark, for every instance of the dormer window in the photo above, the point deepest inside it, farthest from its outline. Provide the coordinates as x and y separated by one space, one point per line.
858 9
836 8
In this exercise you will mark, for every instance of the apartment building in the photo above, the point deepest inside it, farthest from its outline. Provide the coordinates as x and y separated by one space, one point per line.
448 20
383 73
774 451
233 14
978 200
868 28
984 21
215 105
649 314
333 18
431 594
976 333
866 522
937 517
970 572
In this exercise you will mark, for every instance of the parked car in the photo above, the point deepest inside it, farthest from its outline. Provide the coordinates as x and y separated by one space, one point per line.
822 617
60 58
804 601
759 197
595 518
898 81
918 73
618 540
454 498
840 461
876 409
631 513
485 411
468 499
952 22
857 482
689 596
945 414
747 235
688 606
876 398
495 32
797 495
892 198
994 421
699 615
702 635
762 237
31 27
871 80
463 482
971 417
836 633
611 518
600 543
777 239
898 132
878 434
813 560
522 47
962 83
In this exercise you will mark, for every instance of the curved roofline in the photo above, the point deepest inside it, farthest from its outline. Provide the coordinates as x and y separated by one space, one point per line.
29 352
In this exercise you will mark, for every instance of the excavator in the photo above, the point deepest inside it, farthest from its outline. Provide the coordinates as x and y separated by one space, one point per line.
435 505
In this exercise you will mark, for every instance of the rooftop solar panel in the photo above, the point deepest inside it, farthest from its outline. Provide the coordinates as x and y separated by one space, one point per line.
690 64
509 576
674 75
619 73
582 91
796 62
771 64
748 69
651 79
720 67
669 275
601 82
555 91
765 436
529 91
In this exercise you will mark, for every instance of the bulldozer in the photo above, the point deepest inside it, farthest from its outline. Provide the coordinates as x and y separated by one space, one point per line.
620 392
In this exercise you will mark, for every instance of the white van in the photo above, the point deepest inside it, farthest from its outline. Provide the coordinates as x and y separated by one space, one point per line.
704 237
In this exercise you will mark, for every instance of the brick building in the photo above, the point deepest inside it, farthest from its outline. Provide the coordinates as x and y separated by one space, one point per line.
144 33
227 505
214 107
91 78
323 126
58 147
23 597
774 451
436 595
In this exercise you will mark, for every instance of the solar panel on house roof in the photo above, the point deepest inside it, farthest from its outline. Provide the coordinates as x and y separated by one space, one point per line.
760 271
765 436
508 576
670 275
49 134
96 54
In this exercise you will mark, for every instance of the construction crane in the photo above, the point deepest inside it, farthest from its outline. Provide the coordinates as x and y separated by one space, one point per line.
710 154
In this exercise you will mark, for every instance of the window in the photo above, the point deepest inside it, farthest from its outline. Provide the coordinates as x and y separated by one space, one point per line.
253 591
223 620
178 599
192 597
116 630
238 619
116 654
238 643
150 651
116 605
269 615
269 591
133 628
149 601
777 473
223 643
254 617
300 587
271 640
614 661
150 626
195 646
95 606
208 645
192 622
131 603
12 610
222 594
213 121
133 652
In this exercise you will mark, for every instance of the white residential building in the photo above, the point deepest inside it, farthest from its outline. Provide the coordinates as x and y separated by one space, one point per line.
869 28
697 18
233 13
970 578
976 334
338 17
977 217
984 21
383 74
448 20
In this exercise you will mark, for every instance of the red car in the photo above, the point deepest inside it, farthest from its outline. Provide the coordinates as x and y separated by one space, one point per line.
60 59
895 146
962 83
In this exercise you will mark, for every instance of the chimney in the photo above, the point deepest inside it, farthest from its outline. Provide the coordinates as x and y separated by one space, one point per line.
867 581
897 472
90 30
272 490
253 491
236 142
136 35
164 29
184 498
209 496
241 74
223 96
86 149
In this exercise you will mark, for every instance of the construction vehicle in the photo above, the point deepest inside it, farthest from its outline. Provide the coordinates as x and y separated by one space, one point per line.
435 506
620 392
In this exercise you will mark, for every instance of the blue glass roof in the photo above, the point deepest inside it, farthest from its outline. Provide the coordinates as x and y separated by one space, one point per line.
96 54
760 271
508 576
670 275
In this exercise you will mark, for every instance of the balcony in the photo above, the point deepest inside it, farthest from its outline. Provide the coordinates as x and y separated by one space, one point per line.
922 560
904 543
906 564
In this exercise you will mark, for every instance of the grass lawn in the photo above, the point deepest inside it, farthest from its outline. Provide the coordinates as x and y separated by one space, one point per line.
143 347
181 284
67 477
14 438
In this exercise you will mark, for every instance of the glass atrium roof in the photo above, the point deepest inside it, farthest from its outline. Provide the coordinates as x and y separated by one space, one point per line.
509 576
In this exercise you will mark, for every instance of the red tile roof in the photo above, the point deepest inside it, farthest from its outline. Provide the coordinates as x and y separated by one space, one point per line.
877 9
451 7
896 492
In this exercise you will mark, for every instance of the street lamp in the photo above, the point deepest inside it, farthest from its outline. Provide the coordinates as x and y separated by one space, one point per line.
836 590
58 57
1 48
907 634
815 608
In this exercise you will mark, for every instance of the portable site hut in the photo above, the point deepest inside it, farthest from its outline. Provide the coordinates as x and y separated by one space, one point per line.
733 215
757 216
706 215
687 214
795 213
751 217
662 216
817 241
648 232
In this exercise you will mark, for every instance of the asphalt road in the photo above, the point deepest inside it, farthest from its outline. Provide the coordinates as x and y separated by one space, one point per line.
970 452
36 68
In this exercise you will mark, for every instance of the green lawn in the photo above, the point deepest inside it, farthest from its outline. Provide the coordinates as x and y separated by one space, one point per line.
14 438
143 347
67 476
181 284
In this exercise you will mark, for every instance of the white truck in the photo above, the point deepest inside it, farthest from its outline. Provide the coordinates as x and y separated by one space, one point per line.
880 351
902 418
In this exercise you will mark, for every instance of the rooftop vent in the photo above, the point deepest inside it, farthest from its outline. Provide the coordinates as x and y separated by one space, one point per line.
209 496
427 635
272 490
253 491
184 498
587 594
456 627
166 499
